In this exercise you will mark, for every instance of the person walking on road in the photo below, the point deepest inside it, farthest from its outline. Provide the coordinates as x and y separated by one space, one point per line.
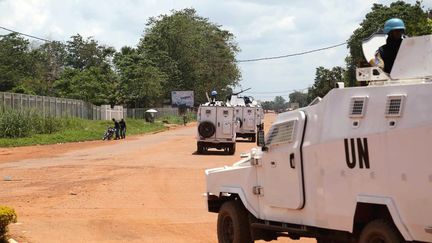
122 124
184 119
117 128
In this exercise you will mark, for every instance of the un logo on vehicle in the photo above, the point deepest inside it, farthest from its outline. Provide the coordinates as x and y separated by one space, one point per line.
356 146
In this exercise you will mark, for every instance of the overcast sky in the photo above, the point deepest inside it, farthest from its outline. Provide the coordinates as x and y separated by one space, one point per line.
262 28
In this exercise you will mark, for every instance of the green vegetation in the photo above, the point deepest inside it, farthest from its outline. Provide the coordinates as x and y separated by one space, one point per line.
179 51
75 130
192 52
7 216
23 123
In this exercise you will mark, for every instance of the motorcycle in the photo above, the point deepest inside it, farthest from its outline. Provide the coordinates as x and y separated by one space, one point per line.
108 134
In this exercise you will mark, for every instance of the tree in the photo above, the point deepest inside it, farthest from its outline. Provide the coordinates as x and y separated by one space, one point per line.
299 97
45 65
91 85
85 53
325 80
417 21
267 105
53 57
15 62
89 73
279 104
140 80
193 53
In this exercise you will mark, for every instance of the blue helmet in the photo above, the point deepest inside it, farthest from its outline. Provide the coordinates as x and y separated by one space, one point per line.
393 24
213 93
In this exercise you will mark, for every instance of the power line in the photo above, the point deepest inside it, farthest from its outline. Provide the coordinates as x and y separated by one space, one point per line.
291 55
278 92
238 61
20 33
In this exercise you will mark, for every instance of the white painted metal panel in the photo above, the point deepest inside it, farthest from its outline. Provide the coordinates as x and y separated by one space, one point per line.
249 119
414 58
281 172
225 122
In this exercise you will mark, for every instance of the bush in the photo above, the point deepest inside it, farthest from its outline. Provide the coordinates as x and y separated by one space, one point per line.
7 216
24 123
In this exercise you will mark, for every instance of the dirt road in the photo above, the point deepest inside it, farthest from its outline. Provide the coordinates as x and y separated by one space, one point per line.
143 189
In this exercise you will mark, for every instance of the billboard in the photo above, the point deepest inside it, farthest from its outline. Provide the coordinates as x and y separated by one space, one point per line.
182 98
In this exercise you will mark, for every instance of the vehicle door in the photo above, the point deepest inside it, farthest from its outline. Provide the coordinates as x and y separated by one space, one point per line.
281 172
225 123
249 119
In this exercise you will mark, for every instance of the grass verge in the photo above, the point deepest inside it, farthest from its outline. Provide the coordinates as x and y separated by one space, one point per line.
76 130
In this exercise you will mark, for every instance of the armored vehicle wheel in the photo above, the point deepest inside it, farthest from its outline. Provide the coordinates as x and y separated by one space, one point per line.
206 129
380 231
231 149
200 148
233 223
322 240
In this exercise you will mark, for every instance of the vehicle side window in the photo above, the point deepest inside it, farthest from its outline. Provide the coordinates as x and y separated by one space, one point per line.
281 133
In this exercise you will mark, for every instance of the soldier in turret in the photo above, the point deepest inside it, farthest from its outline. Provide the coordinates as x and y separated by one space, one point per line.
386 54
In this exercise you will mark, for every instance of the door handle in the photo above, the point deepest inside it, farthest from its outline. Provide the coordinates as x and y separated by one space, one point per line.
292 164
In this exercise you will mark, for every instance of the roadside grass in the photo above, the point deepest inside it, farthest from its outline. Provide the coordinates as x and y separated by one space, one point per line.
76 130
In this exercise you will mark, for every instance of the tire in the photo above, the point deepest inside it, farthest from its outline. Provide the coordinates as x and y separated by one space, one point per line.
324 240
253 140
233 223
206 129
321 240
231 149
200 148
380 231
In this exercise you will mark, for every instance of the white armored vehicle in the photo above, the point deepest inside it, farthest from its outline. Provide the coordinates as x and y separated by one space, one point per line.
355 166
216 127
249 116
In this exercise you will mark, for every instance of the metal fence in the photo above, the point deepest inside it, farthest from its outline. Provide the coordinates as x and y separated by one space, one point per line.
50 106
61 107
139 113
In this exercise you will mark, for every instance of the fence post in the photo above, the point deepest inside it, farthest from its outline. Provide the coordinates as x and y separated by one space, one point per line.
2 101
43 106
